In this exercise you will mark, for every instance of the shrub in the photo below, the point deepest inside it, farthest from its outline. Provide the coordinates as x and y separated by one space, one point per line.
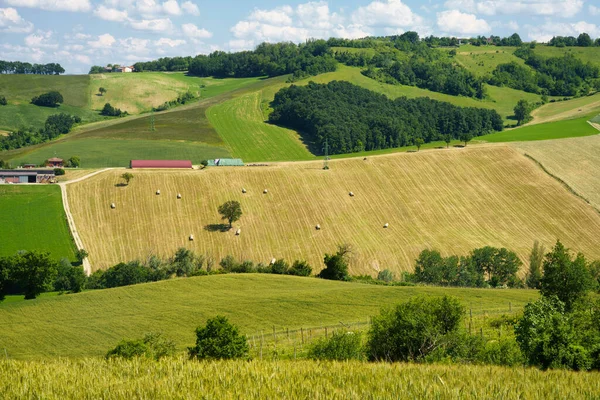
59 171
111 111
336 265
50 99
386 275
153 346
3 101
342 345
414 329
300 268
219 339
280 267
504 351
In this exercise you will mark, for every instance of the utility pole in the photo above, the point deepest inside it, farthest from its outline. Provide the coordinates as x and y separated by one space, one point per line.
326 161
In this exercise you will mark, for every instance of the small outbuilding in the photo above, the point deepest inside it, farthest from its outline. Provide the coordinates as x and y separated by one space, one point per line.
226 162
185 164
55 162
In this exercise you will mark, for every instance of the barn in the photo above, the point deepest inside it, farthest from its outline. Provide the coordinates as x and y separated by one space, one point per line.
28 176
161 164
226 162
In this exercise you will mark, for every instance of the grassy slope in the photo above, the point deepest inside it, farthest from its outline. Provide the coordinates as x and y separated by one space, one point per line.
454 200
88 324
561 110
19 89
140 92
586 54
32 218
484 59
180 378
575 161
549 130
240 121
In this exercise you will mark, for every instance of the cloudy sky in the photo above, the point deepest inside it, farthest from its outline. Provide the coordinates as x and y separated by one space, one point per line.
80 33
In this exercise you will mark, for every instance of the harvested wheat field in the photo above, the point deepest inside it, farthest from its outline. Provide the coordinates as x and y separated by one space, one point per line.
576 161
453 200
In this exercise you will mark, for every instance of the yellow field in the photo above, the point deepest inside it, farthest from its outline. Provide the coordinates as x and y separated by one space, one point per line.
576 161
453 200
179 378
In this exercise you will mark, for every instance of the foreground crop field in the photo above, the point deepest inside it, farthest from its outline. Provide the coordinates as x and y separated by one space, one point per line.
576 161
452 199
181 378
32 218
90 323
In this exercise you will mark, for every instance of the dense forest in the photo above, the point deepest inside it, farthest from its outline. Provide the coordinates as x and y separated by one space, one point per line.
310 58
56 125
556 76
354 119
18 67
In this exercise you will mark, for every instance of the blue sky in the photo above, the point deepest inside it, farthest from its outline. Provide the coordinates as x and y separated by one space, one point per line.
81 33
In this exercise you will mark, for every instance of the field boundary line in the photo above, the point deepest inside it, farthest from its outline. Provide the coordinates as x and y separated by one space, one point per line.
87 267
594 125
562 182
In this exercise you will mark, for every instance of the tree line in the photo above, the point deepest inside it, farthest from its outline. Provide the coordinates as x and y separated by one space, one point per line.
55 125
556 76
583 40
353 119
18 67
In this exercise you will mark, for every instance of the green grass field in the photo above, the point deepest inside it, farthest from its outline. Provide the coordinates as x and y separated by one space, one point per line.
550 130
483 60
32 218
89 323
569 109
586 54
100 153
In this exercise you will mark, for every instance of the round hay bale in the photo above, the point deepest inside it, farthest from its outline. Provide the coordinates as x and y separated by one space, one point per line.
265 191
318 227
237 233
273 261
351 194
191 238
365 159
243 190
113 206
158 192
386 225
178 195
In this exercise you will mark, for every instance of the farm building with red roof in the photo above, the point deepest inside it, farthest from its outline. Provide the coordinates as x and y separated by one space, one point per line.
161 164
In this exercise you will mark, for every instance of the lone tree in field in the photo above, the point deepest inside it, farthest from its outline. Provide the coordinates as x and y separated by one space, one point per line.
522 110
127 176
419 142
102 91
231 211
219 340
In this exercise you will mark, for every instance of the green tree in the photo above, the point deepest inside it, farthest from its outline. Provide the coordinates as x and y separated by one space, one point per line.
466 138
34 272
280 267
127 177
50 99
69 278
546 336
219 339
534 276
5 268
153 346
584 40
336 265
102 91
566 278
300 268
73 162
414 329
3 101
342 345
81 254
419 142
447 139
230 211
522 111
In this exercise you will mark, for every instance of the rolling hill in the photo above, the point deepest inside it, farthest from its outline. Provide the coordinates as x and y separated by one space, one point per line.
90 323
453 200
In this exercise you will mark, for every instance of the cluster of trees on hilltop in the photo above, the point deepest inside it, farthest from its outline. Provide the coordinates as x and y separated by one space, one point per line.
557 76
310 58
18 67
583 40
355 119
55 125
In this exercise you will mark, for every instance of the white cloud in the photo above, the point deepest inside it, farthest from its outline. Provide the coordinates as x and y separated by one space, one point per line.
241 44
594 10
103 42
316 15
81 58
171 7
166 42
53 5
11 21
154 25
351 31
558 8
390 13
280 16
466 24
110 14
195 33
543 33
190 8
40 40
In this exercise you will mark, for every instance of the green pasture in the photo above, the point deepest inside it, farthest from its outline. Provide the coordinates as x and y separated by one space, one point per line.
32 218
549 130
100 153
582 104
19 89
483 63
89 323
586 54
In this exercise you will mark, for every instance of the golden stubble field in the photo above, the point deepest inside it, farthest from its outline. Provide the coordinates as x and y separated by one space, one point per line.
575 160
452 200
